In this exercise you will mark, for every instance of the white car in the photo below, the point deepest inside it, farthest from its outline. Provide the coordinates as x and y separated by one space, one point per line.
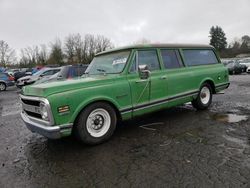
43 73
248 70
245 61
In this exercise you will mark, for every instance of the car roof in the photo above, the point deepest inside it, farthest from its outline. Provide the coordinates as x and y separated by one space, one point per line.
138 46
49 68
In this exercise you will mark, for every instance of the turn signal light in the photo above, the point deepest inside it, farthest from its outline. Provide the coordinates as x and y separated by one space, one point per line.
63 109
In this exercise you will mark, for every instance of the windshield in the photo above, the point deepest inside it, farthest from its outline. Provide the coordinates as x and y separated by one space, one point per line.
39 72
112 63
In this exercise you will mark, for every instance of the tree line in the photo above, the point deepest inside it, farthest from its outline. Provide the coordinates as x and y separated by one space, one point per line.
219 41
74 50
77 49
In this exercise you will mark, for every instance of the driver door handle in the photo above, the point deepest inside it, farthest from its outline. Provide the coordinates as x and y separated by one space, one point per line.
140 81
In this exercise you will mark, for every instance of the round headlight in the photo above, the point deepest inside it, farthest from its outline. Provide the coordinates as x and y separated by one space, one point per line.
43 111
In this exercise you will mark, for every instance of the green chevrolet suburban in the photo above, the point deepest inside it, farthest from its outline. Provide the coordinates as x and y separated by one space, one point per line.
120 84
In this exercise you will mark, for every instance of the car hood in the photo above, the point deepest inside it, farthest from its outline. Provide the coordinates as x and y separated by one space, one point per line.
46 89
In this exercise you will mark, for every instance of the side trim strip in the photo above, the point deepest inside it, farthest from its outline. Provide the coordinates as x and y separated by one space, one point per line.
159 102
222 85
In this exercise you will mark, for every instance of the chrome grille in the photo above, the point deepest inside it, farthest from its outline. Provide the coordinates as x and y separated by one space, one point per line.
31 106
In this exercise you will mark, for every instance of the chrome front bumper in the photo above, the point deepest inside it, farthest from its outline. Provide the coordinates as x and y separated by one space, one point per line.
52 132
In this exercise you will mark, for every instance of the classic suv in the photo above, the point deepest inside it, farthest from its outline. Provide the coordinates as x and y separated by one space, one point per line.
120 84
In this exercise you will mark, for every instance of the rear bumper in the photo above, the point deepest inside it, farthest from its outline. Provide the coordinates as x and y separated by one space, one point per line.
52 132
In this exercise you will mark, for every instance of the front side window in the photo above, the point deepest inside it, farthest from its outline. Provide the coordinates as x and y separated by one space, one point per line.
111 63
171 59
149 58
49 72
199 57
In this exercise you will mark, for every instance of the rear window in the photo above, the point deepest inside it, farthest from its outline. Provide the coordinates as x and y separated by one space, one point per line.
199 57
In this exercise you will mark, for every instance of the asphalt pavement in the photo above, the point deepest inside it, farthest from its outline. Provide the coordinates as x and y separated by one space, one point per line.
177 147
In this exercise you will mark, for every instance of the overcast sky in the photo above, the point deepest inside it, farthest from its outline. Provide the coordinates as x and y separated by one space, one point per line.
32 22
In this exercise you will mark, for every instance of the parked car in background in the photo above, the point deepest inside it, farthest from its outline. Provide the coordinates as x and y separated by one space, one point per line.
121 84
23 72
43 73
11 71
2 69
245 62
36 69
6 80
226 61
66 72
234 67
248 70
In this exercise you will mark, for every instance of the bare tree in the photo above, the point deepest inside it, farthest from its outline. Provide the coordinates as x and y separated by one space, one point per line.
35 55
82 50
69 48
89 48
42 55
7 55
102 43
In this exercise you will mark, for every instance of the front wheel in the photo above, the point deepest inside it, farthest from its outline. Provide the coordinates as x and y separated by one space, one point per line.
204 98
2 86
96 123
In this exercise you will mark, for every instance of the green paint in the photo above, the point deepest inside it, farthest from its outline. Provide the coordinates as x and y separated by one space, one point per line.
130 95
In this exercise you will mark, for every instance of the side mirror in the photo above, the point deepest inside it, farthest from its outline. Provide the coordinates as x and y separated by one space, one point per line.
42 75
144 73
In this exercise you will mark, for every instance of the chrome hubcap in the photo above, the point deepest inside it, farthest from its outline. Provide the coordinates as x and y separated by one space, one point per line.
205 95
2 87
98 122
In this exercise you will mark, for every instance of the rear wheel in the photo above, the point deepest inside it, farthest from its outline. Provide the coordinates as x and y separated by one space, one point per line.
2 86
204 97
96 123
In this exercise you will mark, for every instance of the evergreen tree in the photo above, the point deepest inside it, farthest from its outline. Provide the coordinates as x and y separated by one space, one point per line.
218 38
56 56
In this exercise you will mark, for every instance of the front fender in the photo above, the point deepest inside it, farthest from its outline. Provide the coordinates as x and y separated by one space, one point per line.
89 101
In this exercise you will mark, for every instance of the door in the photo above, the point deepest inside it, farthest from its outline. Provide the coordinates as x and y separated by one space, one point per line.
179 78
146 92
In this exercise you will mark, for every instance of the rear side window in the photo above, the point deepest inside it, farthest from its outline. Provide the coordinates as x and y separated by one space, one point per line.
171 59
199 57
56 71
149 58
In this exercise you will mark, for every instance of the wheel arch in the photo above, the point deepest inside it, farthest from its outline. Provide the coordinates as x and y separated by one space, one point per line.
210 82
104 100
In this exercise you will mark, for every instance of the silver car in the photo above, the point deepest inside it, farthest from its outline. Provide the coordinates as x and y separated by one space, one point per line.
43 73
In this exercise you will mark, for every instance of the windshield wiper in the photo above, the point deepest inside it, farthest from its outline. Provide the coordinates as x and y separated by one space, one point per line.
101 70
